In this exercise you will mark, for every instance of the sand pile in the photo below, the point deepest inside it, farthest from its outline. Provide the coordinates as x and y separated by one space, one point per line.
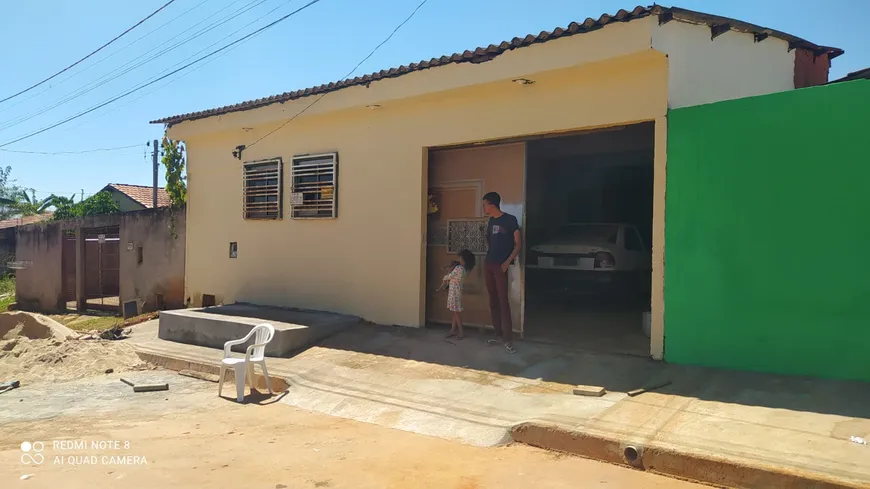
33 326
33 350
50 360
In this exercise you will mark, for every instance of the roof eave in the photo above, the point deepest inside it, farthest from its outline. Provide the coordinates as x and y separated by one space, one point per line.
855 75
695 17
485 54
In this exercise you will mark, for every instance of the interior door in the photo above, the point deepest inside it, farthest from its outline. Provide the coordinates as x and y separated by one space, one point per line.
454 203
458 179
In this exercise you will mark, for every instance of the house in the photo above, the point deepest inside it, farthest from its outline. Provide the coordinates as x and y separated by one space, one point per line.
136 197
319 198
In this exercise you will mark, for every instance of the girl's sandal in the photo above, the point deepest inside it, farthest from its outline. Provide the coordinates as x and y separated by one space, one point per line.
450 335
510 348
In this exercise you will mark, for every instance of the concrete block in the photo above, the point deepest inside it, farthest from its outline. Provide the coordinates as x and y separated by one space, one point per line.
589 390
150 387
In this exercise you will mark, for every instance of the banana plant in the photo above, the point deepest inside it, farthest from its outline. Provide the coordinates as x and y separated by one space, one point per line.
29 205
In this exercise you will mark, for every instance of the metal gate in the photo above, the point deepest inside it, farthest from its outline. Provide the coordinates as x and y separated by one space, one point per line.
102 267
68 267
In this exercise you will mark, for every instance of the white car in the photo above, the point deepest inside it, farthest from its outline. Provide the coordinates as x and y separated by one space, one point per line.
600 248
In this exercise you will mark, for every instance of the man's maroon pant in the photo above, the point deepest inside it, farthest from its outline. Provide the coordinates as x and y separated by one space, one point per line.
499 307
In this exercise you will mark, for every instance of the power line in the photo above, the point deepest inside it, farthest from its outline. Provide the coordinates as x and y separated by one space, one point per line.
58 192
318 99
152 14
155 80
71 152
127 68
152 31
173 80
73 75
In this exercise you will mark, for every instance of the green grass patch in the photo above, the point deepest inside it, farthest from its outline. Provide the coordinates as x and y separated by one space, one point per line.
90 321
87 322
4 303
7 288
7 284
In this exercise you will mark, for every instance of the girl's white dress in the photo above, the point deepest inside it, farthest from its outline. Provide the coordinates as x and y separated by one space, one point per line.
455 281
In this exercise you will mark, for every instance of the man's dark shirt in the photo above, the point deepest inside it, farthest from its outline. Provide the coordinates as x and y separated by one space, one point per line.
500 237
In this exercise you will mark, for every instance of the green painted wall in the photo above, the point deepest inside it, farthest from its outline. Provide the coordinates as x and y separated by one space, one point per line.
767 233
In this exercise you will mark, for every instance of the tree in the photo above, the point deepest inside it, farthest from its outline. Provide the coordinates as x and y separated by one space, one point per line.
173 161
97 204
9 195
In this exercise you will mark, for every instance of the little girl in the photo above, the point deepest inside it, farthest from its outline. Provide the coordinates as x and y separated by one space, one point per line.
454 282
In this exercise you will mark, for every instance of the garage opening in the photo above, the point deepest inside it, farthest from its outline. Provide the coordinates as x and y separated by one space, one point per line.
589 207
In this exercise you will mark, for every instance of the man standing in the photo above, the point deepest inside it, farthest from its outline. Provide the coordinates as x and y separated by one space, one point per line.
503 243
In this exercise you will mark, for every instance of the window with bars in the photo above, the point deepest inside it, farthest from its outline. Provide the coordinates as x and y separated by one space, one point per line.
263 189
314 186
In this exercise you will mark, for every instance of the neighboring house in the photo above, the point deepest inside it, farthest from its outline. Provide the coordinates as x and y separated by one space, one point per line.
855 75
273 221
7 236
767 233
128 262
136 197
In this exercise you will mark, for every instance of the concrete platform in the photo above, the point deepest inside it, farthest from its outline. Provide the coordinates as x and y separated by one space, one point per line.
213 326
732 429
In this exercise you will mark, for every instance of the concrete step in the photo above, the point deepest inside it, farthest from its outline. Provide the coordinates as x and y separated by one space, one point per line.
214 326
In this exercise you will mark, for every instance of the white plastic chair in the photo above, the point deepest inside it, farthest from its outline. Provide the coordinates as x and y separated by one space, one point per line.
244 367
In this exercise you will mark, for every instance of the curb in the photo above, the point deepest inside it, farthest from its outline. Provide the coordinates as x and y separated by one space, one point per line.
682 465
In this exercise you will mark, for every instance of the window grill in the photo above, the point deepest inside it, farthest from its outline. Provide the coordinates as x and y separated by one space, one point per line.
467 234
314 186
263 190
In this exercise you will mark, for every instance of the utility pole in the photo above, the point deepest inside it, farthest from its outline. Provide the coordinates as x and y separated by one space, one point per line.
154 158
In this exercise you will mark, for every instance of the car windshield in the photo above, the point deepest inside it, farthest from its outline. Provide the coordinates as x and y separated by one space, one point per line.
589 232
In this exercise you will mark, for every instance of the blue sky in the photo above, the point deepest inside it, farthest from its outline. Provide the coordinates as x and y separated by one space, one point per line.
318 45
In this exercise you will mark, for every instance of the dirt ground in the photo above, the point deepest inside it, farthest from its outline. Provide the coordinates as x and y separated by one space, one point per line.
188 437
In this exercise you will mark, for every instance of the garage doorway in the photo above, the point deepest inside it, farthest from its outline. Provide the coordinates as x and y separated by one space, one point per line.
589 208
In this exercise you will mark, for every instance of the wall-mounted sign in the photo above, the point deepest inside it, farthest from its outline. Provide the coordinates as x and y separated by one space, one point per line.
296 198
129 246
101 238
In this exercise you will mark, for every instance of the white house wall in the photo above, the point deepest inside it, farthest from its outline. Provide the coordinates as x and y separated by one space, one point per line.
733 65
